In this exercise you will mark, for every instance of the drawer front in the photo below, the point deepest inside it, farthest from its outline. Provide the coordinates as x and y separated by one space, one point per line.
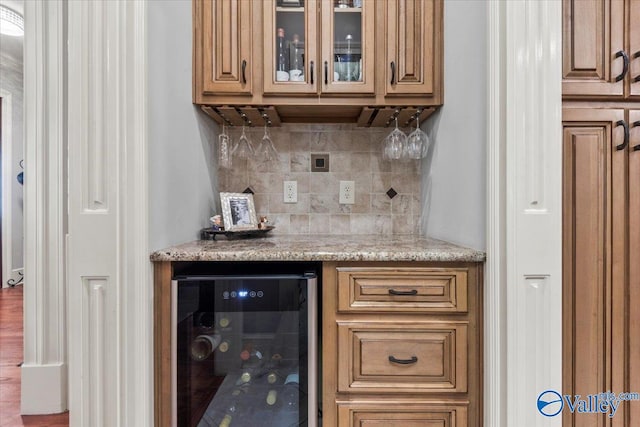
402 357
402 290
401 414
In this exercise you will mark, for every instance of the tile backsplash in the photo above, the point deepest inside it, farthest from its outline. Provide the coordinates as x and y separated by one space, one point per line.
355 154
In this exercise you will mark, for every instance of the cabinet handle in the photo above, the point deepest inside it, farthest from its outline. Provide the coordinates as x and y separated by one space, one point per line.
326 73
311 70
393 71
636 124
244 67
411 361
625 64
411 292
625 142
636 56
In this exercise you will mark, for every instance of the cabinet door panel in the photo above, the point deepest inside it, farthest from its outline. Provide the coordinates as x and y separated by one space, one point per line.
593 33
303 22
594 187
224 60
634 265
634 47
413 47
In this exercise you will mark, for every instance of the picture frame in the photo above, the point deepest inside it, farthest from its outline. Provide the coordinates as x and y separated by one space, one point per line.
238 211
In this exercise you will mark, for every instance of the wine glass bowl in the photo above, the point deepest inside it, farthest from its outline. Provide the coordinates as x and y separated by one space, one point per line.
266 151
395 144
243 148
224 149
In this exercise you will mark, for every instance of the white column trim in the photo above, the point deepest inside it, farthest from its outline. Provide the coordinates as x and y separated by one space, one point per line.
110 302
44 378
533 183
495 401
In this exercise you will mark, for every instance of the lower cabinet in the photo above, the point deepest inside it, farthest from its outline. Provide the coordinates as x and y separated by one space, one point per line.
402 344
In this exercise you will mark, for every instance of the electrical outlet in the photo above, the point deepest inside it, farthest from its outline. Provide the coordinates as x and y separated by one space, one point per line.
290 192
347 192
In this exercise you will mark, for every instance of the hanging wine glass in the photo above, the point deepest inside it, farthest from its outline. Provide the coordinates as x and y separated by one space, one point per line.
395 143
224 149
266 151
243 148
417 143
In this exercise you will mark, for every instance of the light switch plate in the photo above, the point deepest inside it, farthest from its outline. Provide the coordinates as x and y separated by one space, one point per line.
347 192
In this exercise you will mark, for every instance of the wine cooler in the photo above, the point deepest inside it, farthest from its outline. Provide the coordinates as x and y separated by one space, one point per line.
244 350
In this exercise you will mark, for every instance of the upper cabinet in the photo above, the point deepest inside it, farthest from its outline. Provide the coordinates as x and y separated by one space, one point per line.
223 63
413 49
298 57
601 49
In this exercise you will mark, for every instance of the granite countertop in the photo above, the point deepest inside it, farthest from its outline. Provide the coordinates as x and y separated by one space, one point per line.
320 248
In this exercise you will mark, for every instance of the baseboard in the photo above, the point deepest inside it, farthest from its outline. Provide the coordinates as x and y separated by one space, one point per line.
44 389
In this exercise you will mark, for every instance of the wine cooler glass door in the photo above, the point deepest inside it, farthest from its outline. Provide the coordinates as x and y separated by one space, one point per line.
245 351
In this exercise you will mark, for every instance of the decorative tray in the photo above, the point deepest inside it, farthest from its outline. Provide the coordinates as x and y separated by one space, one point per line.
210 233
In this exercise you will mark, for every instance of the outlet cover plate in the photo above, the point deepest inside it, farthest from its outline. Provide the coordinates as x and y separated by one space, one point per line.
290 190
347 192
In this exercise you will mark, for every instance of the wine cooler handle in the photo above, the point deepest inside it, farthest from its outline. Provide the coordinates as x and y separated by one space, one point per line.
625 142
393 71
411 292
411 361
636 55
244 68
326 72
625 64
633 125
311 69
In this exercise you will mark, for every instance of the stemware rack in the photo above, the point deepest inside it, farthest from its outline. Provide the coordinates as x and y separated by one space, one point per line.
231 115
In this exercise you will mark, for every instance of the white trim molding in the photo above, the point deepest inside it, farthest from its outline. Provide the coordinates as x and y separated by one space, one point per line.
109 273
44 372
533 207
495 398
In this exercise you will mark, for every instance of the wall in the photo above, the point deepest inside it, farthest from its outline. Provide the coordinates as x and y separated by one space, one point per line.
453 182
11 81
355 154
183 187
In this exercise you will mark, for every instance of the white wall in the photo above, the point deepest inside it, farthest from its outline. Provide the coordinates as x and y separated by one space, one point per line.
183 183
454 197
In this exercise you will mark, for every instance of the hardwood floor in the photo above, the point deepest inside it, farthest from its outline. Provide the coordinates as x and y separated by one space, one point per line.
10 359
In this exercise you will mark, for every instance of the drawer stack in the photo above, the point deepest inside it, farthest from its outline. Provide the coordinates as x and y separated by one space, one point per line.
401 344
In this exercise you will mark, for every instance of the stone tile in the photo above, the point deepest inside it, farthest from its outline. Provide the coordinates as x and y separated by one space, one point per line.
378 164
324 183
340 224
339 161
281 223
322 203
299 224
277 205
401 204
370 224
362 203
300 162
299 141
261 202
361 162
319 223
403 224
380 204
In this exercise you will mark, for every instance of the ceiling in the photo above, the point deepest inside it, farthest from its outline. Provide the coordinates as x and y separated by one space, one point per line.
9 45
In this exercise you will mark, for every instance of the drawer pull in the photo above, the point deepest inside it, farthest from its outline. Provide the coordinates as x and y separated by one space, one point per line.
411 292
411 361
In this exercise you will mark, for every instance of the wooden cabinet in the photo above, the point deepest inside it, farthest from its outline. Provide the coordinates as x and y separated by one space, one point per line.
601 235
413 53
601 49
401 344
378 54
223 57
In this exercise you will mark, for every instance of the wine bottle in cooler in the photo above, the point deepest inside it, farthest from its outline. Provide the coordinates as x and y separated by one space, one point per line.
203 345
295 73
282 67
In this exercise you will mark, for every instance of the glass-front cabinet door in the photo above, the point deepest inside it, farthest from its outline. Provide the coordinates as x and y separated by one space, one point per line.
290 46
348 36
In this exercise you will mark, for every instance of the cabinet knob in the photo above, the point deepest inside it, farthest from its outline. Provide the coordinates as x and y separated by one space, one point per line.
625 64
244 68
633 125
411 361
625 142
393 71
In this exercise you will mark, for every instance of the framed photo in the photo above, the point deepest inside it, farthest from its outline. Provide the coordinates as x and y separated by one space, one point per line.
238 211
